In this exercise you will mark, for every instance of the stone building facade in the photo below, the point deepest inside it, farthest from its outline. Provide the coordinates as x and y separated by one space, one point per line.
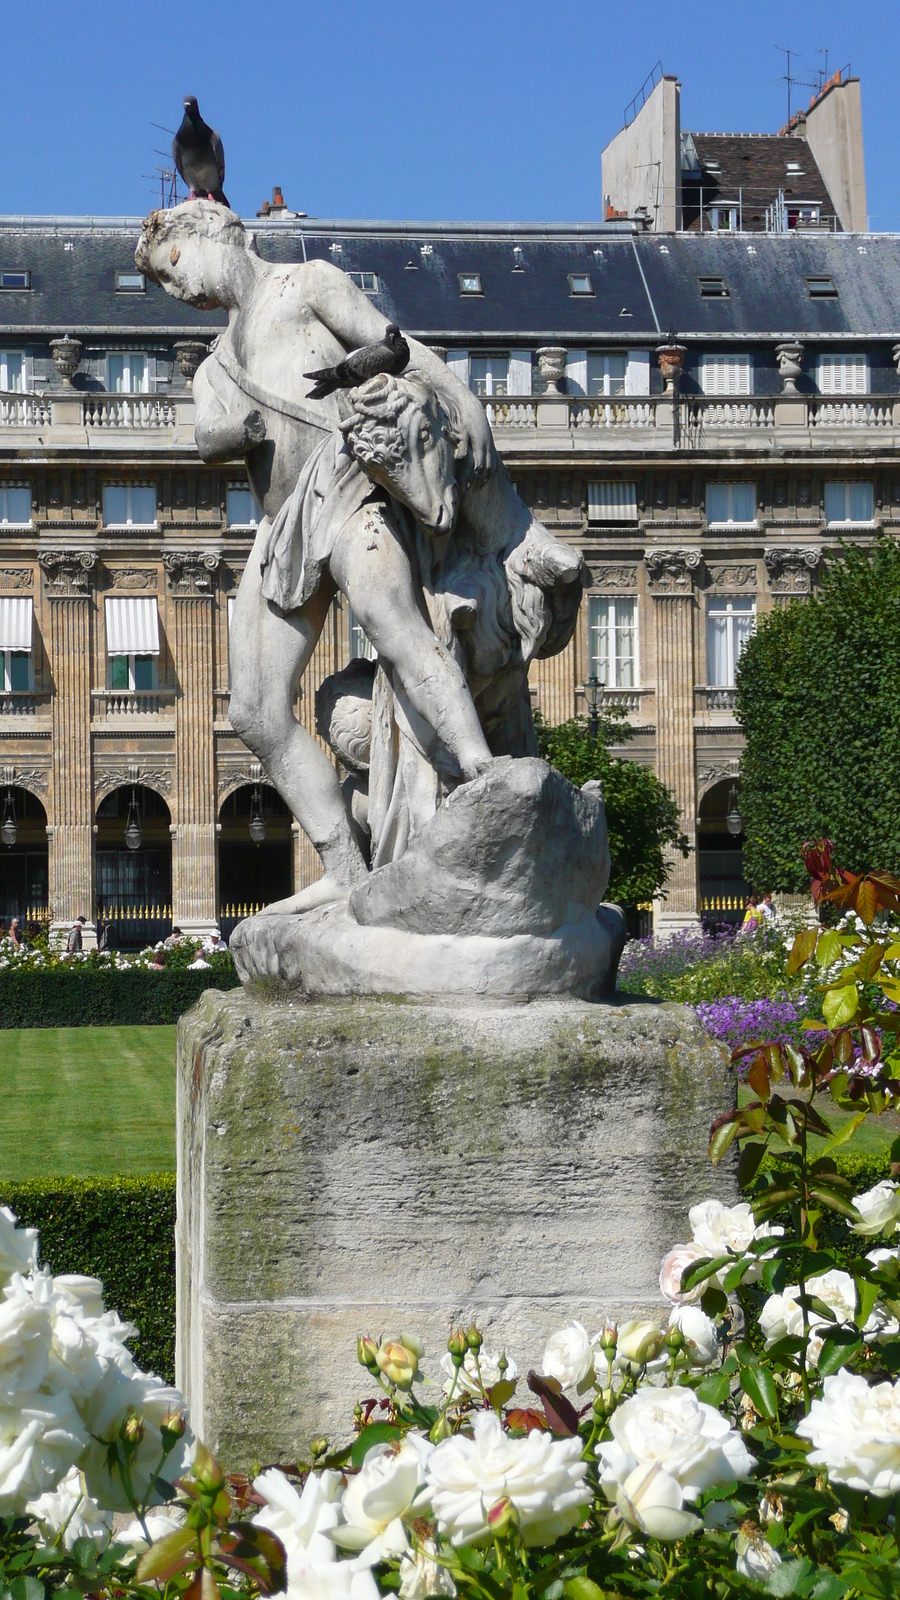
706 476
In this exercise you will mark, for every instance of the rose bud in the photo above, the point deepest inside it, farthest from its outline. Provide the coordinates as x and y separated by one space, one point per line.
640 1341
503 1518
132 1431
399 1364
367 1353
458 1344
172 1429
474 1339
318 1446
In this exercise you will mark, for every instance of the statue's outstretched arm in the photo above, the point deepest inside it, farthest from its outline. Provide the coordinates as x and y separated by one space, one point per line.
354 320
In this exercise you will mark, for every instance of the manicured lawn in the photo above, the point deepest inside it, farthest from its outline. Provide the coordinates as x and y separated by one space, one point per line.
86 1102
875 1134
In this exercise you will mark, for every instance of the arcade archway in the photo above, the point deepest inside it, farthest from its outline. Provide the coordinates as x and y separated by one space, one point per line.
256 852
134 867
720 857
24 861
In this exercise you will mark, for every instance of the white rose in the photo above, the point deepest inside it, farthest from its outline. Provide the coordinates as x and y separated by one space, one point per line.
488 1365
376 1498
569 1356
24 1342
782 1314
755 1556
701 1341
18 1246
640 1341
421 1576
69 1510
39 1441
855 1429
650 1499
720 1230
879 1209
542 1476
303 1522
159 1525
673 1429
674 1264
117 1398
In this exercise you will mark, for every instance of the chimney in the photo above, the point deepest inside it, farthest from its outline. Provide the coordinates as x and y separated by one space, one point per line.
277 201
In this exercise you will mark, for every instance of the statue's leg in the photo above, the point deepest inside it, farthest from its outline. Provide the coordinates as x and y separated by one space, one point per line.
371 567
268 653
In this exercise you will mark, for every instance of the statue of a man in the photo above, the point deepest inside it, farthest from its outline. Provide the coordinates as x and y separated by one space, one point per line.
252 400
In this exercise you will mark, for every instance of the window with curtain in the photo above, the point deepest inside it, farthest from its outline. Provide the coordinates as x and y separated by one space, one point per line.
843 374
242 509
12 371
15 505
726 374
489 375
132 672
729 624
127 372
849 502
611 500
730 502
360 645
605 374
129 505
612 656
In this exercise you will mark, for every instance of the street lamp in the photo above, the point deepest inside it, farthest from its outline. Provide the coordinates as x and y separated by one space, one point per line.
734 822
257 820
133 834
594 693
9 832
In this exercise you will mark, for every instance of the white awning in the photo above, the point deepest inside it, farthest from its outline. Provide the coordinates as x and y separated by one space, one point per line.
132 625
16 613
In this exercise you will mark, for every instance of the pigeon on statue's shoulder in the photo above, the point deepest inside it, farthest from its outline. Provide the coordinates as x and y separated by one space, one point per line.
199 155
390 354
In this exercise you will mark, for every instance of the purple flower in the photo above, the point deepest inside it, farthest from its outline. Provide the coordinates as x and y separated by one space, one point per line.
736 1021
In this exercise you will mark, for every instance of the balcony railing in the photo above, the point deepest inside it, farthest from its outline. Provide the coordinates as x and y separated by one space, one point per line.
145 412
23 702
94 414
710 699
132 703
24 410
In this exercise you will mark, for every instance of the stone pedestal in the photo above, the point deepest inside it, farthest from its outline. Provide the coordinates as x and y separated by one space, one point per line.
351 1166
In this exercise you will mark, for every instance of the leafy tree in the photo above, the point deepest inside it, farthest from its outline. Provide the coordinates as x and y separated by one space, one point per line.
818 694
641 814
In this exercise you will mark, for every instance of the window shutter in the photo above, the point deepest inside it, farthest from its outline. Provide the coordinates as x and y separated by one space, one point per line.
132 625
519 381
726 374
458 362
610 501
637 372
843 374
576 371
16 614
28 373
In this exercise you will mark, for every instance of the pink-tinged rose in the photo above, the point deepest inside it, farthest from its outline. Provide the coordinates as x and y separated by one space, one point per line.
674 1264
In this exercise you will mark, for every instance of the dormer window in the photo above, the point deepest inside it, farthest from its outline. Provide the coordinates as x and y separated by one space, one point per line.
821 289
367 281
130 283
470 283
15 278
713 289
794 169
580 283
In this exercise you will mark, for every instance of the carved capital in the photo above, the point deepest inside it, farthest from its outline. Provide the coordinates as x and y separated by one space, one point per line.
191 572
671 571
68 574
791 567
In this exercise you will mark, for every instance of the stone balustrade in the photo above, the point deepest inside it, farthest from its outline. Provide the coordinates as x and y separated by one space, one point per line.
712 699
77 417
20 703
132 704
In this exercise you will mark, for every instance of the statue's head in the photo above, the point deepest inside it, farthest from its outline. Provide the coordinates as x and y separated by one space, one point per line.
403 438
181 249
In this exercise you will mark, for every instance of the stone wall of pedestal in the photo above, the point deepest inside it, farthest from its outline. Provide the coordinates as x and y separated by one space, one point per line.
669 574
68 579
346 1166
194 855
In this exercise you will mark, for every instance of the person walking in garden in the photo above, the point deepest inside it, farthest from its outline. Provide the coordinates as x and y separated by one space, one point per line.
14 932
752 914
75 941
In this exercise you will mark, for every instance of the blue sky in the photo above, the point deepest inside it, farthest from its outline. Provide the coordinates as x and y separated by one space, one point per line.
463 109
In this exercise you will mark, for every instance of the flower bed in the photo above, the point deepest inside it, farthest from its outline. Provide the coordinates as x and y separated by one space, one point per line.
44 988
694 966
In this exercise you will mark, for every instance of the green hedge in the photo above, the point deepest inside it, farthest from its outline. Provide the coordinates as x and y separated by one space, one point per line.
88 997
121 1230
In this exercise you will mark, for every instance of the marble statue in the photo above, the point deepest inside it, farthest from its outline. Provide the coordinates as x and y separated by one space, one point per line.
454 860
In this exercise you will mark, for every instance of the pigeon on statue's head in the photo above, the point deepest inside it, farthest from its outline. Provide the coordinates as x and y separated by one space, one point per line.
390 355
199 155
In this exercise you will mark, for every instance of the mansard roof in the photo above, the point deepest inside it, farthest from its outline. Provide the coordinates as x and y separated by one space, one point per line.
641 285
753 169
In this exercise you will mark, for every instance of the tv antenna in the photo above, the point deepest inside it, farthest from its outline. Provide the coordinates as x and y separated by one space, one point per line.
817 82
165 176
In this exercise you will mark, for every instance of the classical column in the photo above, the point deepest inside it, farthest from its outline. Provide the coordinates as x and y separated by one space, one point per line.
669 574
191 579
68 578
791 569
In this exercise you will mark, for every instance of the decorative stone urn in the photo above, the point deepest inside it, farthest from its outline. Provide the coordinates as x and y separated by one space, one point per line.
190 353
895 353
552 362
790 358
671 364
67 358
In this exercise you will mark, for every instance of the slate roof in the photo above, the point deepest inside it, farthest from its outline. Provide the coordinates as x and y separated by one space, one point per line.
754 169
643 284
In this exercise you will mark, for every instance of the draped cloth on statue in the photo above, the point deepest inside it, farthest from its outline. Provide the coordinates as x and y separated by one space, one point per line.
331 488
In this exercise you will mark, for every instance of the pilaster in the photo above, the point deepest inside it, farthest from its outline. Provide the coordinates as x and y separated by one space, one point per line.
791 569
191 582
670 579
68 585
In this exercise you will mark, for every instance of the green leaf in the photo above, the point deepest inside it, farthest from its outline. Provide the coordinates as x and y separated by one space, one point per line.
699 1271
828 948
376 1433
583 1589
867 1294
722 1138
837 1351
500 1392
790 1577
759 1386
834 1202
749 1163
713 1302
803 947
840 1005
828 1586
714 1390
168 1556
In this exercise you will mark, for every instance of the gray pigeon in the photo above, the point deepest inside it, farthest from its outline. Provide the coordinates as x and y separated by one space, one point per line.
391 354
199 155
